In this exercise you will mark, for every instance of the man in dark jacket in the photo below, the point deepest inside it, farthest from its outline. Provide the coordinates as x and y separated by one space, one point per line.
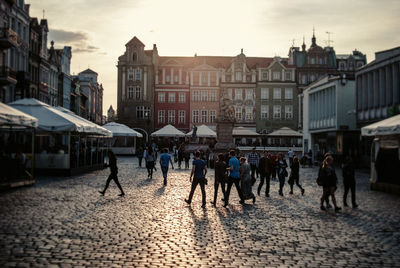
265 169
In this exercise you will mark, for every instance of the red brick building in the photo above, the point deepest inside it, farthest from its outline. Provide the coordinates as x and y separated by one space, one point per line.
172 99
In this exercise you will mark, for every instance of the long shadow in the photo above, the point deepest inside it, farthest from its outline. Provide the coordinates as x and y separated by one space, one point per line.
160 191
202 230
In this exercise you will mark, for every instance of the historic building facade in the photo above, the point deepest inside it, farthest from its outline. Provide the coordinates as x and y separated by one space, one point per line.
64 77
136 86
204 93
171 97
34 58
276 95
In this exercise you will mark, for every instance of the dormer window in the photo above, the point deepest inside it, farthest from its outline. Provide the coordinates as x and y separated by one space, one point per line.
276 75
238 76
134 57
312 60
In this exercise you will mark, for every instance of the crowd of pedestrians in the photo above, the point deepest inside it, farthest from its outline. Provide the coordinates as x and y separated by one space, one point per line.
233 168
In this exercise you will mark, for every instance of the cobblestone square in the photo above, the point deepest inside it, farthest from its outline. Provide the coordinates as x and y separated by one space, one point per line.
65 222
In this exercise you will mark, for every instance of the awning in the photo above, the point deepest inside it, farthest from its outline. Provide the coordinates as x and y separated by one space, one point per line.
389 126
285 132
203 131
241 131
122 130
54 119
10 116
168 131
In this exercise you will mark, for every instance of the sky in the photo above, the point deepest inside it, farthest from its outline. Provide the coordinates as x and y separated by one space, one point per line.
98 30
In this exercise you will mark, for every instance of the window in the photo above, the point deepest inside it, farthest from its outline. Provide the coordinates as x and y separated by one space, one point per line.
288 76
167 78
195 116
213 116
134 57
249 113
161 116
238 113
228 78
276 76
277 94
138 74
171 116
230 93
249 94
130 92
277 112
265 76
204 78
161 97
288 93
204 116
182 97
204 95
181 117
312 60
176 79
264 93
171 97
238 76
138 93
130 74
341 66
359 64
351 66
238 94
213 96
264 112
195 96
288 111
142 112
304 79
320 61
312 78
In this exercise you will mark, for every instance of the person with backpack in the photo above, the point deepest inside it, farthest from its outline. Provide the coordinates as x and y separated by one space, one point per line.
294 175
150 159
329 182
112 163
220 177
349 182
199 171
282 172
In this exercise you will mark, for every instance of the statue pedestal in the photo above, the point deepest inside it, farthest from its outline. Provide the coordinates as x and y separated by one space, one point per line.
224 136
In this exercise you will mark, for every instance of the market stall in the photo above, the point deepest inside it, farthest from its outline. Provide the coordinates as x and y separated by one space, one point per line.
385 154
167 136
16 147
65 142
124 138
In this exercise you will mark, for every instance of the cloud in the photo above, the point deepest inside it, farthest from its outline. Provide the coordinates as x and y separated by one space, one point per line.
85 49
62 36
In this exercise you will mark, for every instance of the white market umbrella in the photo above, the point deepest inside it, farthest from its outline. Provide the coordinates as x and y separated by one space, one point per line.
10 116
122 130
203 131
168 131
389 126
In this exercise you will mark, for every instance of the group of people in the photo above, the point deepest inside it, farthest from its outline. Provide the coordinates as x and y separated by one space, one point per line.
231 169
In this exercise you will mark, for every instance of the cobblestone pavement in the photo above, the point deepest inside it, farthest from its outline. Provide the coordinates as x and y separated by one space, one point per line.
65 222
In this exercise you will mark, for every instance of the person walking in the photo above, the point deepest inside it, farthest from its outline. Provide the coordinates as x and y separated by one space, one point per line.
199 171
165 159
220 177
329 182
187 159
150 160
274 162
294 175
253 161
234 178
265 168
290 155
282 172
181 151
349 182
246 180
112 164
140 156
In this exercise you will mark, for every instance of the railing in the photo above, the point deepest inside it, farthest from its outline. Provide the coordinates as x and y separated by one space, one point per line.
10 35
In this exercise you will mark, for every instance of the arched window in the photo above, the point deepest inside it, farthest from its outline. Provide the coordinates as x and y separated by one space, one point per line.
134 56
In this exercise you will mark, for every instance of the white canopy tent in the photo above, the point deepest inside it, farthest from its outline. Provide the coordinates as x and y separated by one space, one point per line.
241 131
10 116
124 138
389 126
58 119
122 130
203 131
168 131
65 140
285 131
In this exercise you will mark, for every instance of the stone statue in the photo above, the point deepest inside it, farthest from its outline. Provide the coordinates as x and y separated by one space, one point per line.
194 133
227 112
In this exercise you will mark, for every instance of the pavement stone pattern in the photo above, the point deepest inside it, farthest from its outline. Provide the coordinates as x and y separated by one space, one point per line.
65 222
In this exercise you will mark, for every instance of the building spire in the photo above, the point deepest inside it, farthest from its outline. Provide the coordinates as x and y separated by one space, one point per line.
303 46
313 39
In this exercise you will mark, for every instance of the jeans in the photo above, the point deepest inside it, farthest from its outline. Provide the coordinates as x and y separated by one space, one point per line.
164 172
281 177
216 185
349 184
195 182
253 169
113 176
267 178
140 161
232 181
